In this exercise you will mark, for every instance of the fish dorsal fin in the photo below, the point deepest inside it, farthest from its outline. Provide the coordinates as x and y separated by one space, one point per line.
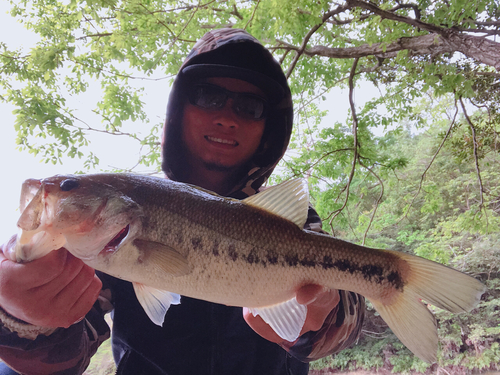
289 200
286 319
162 257
155 302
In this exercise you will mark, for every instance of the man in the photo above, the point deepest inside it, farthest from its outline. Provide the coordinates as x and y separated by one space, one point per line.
229 120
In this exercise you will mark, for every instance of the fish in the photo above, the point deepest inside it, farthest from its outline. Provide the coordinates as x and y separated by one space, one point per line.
171 239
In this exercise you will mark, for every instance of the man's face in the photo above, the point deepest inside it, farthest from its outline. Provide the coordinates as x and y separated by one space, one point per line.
220 139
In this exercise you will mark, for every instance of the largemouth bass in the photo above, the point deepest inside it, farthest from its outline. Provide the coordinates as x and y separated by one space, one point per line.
172 239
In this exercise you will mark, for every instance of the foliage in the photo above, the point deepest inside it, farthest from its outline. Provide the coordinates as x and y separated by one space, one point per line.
432 206
427 186
469 343
102 362
404 49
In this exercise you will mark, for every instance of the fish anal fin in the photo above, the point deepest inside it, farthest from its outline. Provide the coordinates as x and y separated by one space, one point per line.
162 257
289 200
286 319
155 302
413 323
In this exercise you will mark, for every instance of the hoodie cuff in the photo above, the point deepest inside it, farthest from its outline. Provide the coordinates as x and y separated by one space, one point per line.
23 329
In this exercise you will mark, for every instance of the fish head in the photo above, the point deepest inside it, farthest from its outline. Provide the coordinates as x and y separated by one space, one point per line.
85 214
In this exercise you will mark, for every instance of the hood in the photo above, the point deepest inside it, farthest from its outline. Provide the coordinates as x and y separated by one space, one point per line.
236 54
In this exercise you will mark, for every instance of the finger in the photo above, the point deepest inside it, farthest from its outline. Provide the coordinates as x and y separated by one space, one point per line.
48 305
86 300
319 309
70 306
71 269
8 248
75 286
76 289
308 293
328 297
75 300
38 272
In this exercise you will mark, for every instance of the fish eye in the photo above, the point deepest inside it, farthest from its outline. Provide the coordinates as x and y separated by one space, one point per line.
69 184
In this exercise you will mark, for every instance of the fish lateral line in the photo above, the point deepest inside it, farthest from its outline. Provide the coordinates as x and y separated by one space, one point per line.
374 273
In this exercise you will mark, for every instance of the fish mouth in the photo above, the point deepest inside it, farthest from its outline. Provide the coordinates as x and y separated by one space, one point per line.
116 240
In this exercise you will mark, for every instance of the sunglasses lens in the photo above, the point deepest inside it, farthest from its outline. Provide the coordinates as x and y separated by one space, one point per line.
247 106
208 97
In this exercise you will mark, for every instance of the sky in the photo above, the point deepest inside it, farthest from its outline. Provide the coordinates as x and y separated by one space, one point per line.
114 152
17 166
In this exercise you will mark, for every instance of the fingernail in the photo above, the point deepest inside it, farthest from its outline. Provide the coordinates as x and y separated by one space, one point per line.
310 301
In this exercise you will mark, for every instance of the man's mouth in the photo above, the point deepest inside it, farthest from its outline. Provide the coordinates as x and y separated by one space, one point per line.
228 142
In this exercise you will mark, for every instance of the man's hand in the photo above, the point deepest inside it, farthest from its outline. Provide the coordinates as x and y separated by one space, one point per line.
319 303
54 291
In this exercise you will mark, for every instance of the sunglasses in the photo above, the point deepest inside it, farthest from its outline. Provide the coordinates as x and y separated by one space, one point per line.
212 97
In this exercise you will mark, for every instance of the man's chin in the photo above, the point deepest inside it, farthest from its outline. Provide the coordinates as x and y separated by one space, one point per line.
219 167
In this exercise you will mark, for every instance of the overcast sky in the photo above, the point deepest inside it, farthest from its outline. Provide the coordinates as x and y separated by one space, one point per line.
17 166
114 152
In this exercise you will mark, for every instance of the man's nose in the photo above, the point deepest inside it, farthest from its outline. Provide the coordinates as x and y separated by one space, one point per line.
226 116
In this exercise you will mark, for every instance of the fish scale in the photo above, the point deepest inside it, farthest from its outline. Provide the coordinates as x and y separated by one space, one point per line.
306 264
170 238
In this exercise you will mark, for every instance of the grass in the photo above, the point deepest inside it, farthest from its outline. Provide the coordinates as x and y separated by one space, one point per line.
102 362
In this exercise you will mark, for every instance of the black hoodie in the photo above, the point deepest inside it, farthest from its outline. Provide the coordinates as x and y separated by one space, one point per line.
200 337
236 54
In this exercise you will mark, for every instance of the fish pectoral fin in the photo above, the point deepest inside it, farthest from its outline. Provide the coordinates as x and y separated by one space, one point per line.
289 200
286 319
162 257
155 302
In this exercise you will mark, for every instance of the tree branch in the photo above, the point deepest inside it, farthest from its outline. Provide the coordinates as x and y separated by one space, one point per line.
176 37
422 178
396 17
217 26
439 40
488 23
377 204
320 159
300 51
415 8
477 48
488 74
253 14
127 76
355 135
98 35
476 161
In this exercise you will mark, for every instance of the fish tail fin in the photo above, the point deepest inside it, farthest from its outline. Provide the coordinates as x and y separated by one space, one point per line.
410 319
412 323
442 286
